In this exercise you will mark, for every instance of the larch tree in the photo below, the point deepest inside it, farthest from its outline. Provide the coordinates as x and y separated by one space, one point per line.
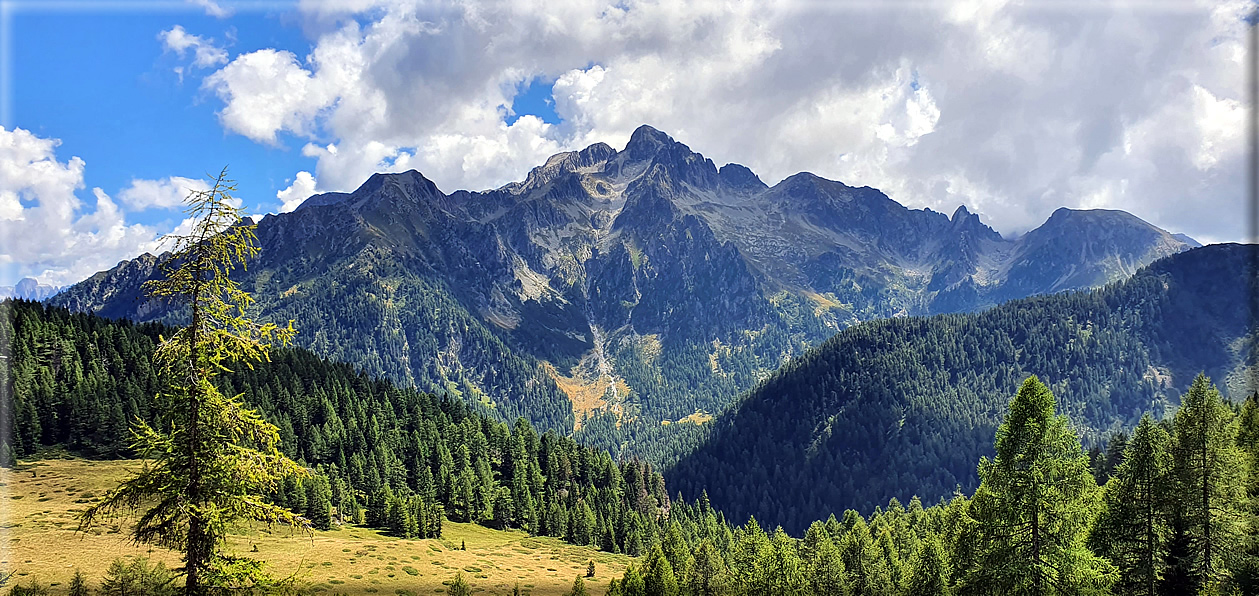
1035 501
208 460
1246 575
929 573
1210 486
1132 529
867 571
708 573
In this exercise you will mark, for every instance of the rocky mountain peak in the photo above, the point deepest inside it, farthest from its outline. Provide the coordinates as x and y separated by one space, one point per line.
968 223
646 142
28 288
737 177
600 257
410 182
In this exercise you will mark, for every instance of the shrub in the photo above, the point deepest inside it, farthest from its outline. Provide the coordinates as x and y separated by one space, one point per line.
140 577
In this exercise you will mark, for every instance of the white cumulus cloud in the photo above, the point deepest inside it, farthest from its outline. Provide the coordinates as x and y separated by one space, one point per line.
166 193
204 53
212 8
302 188
1013 108
45 230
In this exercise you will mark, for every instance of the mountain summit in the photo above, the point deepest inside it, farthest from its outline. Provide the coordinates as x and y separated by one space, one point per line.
638 286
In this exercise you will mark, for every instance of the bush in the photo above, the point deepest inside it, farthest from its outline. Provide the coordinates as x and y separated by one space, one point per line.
32 589
138 577
459 587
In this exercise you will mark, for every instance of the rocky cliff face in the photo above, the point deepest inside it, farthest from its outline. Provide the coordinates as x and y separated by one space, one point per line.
645 283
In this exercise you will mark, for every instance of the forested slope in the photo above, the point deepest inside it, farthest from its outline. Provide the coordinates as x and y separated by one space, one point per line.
403 458
636 286
904 407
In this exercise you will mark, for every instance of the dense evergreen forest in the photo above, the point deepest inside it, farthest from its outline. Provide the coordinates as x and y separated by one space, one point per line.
1167 511
903 407
390 457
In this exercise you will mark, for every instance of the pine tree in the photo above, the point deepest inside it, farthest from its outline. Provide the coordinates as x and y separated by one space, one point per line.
208 458
1132 529
1033 506
1210 491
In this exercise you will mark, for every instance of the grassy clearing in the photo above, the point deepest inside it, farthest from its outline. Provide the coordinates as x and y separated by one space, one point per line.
38 538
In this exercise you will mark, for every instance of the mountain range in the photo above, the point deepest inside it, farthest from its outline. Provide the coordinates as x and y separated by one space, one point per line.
617 291
28 288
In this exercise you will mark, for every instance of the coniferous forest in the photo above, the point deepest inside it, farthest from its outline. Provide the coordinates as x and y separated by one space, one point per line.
904 407
1168 509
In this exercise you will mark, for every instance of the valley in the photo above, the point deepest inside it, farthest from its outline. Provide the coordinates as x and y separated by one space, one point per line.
612 291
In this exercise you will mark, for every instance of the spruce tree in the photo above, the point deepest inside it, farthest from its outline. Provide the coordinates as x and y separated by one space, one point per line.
1035 501
319 503
1132 529
78 584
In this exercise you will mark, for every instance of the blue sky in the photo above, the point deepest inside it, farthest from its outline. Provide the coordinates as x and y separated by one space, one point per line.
111 109
102 83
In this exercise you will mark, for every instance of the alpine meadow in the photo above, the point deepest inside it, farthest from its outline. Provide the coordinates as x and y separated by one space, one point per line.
959 299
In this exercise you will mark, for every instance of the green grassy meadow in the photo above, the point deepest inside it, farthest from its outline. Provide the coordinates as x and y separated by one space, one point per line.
39 539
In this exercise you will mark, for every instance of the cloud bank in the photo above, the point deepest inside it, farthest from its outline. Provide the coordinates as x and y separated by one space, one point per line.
46 231
1014 109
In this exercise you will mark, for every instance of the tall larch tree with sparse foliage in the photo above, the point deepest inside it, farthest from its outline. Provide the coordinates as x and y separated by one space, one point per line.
208 459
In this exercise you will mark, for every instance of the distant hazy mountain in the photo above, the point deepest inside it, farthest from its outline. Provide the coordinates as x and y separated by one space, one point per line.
28 288
905 407
641 286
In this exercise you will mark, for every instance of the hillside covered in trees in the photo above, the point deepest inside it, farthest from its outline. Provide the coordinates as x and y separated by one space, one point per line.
401 458
904 407
1173 514
636 286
